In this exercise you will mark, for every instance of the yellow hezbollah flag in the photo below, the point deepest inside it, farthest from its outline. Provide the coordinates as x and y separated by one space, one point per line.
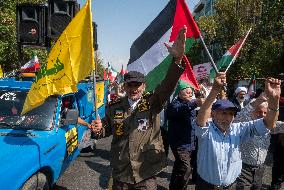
1 72
70 60
100 94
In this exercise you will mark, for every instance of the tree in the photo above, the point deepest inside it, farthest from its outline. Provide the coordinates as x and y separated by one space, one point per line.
99 65
8 45
9 59
265 44
269 39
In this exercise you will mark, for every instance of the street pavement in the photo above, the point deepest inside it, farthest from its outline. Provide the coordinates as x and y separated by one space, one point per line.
91 171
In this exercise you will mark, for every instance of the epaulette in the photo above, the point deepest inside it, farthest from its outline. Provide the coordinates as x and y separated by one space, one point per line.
147 94
116 101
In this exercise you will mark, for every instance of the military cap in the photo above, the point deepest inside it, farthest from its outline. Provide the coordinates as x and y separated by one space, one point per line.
134 76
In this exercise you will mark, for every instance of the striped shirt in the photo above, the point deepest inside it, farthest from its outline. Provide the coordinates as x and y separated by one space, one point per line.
254 151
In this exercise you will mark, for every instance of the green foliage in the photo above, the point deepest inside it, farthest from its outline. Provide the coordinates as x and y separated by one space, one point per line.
261 52
8 46
209 26
9 59
99 65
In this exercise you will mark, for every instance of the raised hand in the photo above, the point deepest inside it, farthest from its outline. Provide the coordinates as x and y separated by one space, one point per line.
272 91
97 126
219 81
199 101
178 48
273 88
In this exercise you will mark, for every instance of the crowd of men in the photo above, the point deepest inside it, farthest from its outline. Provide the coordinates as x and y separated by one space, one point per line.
217 143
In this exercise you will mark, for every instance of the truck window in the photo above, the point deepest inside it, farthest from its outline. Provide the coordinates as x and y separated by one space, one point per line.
68 102
40 118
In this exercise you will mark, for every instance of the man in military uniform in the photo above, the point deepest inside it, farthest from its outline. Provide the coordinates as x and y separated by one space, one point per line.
137 152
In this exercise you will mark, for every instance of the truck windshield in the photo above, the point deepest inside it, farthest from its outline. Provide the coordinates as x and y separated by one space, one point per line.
11 105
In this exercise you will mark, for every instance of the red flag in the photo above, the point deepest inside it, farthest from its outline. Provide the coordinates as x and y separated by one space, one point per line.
188 75
184 17
105 75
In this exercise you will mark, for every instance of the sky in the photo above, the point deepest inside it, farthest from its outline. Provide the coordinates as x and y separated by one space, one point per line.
120 22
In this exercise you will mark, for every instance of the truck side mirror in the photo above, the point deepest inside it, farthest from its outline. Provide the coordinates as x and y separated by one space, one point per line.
71 117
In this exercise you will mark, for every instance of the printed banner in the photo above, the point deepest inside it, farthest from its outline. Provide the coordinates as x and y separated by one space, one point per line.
202 70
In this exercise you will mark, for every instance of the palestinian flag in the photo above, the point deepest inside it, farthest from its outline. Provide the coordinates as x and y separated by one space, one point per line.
31 66
227 58
149 55
230 56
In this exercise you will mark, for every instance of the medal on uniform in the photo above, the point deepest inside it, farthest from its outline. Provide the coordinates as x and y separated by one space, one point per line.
118 114
118 129
143 124
143 106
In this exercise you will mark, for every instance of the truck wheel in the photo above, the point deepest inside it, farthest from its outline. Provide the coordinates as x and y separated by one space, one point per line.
38 181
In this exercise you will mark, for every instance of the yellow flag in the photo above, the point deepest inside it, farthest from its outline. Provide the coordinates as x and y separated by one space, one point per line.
100 89
70 60
1 72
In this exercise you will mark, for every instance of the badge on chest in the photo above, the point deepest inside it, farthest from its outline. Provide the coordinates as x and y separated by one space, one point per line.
118 114
143 124
118 122
118 129
143 106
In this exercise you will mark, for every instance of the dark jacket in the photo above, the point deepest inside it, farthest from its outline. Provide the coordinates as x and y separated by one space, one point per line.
179 115
137 151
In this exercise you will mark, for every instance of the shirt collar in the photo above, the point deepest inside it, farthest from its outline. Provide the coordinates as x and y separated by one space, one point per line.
219 131
133 103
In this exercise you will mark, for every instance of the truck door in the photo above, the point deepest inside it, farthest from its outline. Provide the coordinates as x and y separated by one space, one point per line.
71 131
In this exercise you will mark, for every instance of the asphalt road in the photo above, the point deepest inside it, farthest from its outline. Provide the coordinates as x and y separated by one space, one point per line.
92 171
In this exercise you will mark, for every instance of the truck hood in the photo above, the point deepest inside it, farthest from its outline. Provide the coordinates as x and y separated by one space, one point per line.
20 153
14 143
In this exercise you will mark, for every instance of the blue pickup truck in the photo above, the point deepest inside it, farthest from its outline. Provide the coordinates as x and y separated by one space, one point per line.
36 148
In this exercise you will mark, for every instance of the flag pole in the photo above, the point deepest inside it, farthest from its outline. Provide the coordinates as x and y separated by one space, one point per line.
211 60
208 53
235 56
94 87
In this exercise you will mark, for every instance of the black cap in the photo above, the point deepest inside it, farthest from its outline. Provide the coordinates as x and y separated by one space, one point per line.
134 76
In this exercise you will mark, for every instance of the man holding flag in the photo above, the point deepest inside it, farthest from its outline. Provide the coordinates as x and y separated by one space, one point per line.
219 158
137 147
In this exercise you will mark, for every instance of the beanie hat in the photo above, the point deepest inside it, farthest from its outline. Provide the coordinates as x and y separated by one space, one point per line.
182 85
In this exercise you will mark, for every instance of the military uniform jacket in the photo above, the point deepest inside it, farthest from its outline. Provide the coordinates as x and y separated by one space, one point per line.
137 151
